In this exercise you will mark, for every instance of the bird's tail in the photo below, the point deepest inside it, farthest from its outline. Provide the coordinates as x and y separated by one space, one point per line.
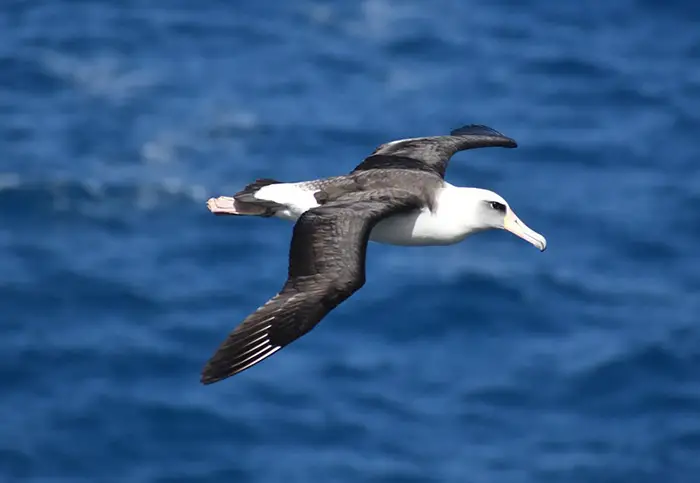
244 202
228 205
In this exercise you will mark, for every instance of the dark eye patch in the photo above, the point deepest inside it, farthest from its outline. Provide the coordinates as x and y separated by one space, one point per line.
497 206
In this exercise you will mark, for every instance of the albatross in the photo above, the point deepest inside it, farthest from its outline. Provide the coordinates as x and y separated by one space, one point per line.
397 196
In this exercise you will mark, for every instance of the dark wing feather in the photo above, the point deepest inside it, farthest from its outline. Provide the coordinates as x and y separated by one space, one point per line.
433 153
326 266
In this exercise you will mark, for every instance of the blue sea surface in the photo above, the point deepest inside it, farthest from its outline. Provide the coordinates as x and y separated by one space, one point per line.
486 361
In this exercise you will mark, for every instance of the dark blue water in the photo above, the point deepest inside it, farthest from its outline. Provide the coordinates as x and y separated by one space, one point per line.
482 362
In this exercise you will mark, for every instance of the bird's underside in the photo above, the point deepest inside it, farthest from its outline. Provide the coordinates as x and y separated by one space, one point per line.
329 242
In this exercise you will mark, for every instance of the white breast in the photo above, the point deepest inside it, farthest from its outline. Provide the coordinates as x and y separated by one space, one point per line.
444 226
417 229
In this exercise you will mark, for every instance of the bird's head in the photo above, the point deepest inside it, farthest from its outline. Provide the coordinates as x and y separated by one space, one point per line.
487 210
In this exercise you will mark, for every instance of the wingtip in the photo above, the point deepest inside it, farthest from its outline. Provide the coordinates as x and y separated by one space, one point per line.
475 129
207 381
208 376
213 372
483 130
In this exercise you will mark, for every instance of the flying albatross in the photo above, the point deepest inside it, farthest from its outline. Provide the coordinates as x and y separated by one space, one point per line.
398 196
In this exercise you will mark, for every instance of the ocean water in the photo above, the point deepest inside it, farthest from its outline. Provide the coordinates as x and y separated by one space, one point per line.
486 361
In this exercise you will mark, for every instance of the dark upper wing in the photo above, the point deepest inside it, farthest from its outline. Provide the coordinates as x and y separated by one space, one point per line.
326 266
433 153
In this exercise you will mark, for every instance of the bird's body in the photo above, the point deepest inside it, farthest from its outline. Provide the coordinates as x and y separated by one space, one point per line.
437 223
396 196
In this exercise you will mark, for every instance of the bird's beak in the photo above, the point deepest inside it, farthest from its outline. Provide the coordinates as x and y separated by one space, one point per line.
513 224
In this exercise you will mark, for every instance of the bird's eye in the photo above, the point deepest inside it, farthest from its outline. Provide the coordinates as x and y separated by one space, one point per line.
497 206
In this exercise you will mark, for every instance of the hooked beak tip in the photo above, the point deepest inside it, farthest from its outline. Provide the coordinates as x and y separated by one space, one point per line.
514 225
543 244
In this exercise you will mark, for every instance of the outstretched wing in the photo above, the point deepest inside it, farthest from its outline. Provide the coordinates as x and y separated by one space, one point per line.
326 266
433 153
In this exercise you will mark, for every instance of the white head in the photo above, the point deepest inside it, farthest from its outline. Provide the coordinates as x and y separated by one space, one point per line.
486 210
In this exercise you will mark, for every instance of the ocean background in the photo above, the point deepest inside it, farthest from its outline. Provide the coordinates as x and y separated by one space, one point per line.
486 361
